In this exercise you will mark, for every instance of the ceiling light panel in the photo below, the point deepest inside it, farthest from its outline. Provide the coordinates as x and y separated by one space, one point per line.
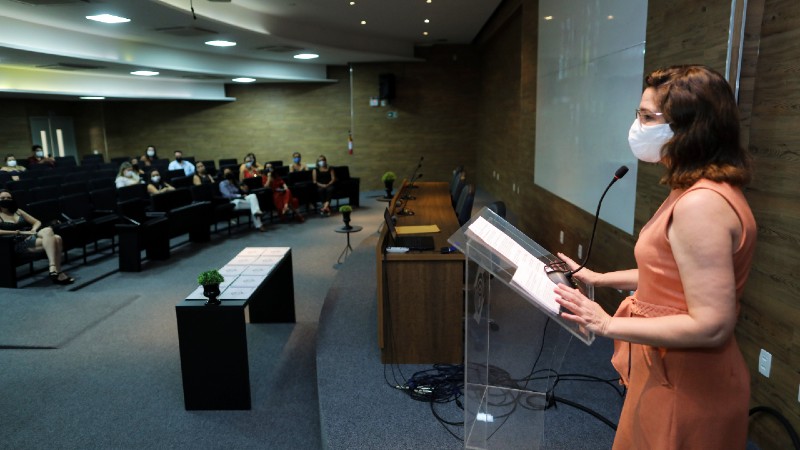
108 18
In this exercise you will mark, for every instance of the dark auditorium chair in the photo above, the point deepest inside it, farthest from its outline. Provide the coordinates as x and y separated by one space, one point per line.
182 181
10 260
74 233
23 184
211 167
91 159
498 207
464 204
302 187
457 187
138 191
139 230
73 187
5 177
346 186
184 215
40 193
101 224
66 161
222 209
228 162
172 174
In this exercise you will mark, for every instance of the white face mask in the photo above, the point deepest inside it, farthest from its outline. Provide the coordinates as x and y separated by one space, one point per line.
12 163
151 153
646 141
155 179
39 154
129 173
322 163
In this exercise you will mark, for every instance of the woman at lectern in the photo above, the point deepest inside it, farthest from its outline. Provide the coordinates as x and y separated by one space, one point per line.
688 384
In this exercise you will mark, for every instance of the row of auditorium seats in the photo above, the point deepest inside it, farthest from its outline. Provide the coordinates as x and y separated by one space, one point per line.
85 208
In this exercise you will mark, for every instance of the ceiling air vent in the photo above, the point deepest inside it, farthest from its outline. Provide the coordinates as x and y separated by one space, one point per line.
71 66
186 31
280 48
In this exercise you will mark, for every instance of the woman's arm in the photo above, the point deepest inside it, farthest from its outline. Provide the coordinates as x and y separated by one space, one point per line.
32 221
196 180
626 280
704 233
333 176
151 189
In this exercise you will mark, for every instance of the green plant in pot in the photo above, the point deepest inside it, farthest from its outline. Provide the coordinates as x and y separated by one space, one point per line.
210 280
346 210
388 182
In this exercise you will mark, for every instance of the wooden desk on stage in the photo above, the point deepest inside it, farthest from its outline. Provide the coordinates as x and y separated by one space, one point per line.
420 294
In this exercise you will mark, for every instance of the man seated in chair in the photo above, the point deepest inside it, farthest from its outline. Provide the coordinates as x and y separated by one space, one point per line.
182 164
229 189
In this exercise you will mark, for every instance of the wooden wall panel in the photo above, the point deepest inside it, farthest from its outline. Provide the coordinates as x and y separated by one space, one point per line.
771 311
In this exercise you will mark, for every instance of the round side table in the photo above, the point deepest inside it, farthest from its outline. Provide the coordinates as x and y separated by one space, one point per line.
348 249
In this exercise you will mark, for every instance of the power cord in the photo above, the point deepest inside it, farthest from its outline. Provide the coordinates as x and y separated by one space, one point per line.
788 426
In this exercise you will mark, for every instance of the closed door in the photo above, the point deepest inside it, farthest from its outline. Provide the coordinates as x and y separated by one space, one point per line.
55 134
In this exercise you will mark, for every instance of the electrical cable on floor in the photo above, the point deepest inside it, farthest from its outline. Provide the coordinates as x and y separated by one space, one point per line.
788 426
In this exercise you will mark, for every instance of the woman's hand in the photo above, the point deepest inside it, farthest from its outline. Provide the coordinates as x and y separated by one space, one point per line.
584 311
585 275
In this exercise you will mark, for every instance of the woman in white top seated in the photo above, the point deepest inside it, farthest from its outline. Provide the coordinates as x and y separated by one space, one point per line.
127 176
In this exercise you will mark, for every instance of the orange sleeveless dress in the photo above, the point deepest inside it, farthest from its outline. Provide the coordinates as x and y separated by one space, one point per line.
682 398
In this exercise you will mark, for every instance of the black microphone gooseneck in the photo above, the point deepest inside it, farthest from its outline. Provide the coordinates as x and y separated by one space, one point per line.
617 175
414 175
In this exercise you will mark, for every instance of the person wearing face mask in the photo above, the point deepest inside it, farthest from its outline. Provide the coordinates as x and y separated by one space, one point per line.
241 200
324 178
296 165
37 157
150 156
126 176
13 167
675 350
29 236
157 185
181 164
250 168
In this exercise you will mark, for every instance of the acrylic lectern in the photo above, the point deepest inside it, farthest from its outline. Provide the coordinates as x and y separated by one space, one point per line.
515 339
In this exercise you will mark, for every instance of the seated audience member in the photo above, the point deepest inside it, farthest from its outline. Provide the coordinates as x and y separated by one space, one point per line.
180 163
136 167
200 175
29 236
282 196
230 190
12 167
324 178
296 165
37 157
157 185
251 169
150 156
126 176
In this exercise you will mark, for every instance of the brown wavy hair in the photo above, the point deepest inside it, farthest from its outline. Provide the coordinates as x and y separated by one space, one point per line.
699 105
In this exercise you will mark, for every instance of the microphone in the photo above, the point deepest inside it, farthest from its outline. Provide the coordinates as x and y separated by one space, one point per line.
557 271
414 175
411 186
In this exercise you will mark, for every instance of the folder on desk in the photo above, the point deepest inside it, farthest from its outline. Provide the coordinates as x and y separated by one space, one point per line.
417 229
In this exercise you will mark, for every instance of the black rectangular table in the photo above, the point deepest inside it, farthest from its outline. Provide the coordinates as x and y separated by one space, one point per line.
213 339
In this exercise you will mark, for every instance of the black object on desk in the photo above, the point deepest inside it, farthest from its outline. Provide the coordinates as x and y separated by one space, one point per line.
213 339
348 249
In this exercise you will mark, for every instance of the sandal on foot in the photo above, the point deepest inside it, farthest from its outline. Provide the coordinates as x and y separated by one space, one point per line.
56 277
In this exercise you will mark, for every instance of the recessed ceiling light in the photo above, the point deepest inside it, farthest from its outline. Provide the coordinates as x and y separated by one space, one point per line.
306 56
429 1
221 43
424 33
92 98
244 80
610 17
363 22
427 20
144 73
352 3
108 18
548 17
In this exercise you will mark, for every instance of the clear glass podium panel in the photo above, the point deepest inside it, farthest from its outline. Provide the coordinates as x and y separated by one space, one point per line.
514 343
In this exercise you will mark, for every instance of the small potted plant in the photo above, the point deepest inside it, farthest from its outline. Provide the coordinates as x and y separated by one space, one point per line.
346 210
388 182
210 280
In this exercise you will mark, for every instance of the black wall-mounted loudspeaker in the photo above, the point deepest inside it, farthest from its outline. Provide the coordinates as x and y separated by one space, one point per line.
386 86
